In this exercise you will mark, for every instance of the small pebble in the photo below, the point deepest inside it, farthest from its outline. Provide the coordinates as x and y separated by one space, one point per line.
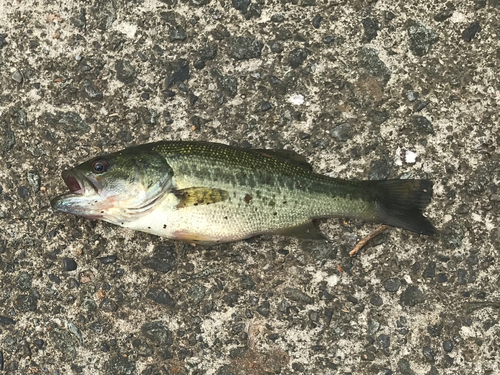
470 32
69 264
17 76
317 21
384 341
447 346
392 285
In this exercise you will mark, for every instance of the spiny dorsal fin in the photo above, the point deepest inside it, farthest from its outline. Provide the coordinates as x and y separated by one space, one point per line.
288 156
195 196
307 231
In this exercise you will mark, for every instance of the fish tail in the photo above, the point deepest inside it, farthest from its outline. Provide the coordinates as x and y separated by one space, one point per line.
399 203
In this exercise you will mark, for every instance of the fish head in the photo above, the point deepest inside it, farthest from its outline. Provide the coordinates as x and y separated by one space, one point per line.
116 187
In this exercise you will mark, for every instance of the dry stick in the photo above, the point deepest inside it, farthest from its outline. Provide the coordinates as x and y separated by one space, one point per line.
364 240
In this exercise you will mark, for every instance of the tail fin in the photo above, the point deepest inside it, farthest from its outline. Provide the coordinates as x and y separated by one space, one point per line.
400 203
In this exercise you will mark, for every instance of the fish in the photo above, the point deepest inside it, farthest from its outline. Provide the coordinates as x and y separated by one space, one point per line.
202 192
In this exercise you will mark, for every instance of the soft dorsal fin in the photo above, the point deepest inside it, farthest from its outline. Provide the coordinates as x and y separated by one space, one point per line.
195 196
307 231
286 155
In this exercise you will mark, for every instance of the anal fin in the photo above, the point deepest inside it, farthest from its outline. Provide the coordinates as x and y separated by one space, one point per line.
307 231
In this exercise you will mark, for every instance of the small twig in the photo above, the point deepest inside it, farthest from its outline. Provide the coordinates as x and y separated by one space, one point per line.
364 240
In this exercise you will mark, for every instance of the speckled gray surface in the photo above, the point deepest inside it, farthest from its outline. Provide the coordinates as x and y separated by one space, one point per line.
364 89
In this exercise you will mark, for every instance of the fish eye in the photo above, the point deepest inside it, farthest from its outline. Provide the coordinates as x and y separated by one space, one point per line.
100 166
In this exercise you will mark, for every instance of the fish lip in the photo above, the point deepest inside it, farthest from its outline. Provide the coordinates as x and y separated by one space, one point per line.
79 186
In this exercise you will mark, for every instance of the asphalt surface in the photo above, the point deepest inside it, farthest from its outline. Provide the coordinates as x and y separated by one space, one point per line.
363 89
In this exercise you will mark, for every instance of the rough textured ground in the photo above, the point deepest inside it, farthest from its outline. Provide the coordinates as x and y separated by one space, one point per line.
364 89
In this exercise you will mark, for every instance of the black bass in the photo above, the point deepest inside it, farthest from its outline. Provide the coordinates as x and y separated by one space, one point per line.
209 192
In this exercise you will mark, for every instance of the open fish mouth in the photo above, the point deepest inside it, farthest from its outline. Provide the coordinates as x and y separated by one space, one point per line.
73 182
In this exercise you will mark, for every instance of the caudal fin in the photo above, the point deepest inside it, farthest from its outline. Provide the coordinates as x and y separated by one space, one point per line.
399 203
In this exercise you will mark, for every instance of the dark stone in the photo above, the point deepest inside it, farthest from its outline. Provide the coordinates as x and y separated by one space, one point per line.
378 117
159 295
108 259
91 91
246 48
69 122
317 21
23 192
297 57
404 367
371 28
177 33
265 106
7 138
419 105
241 5
163 259
328 39
380 169
470 32
125 72
441 278
225 370
423 125
199 3
220 32
39 343
141 348
384 341
238 352
231 298
145 96
412 296
277 47
264 309
208 52
24 280
341 132
25 303
428 354
247 282
443 15
447 346
227 84
371 63
3 41
392 285
179 72
433 371
421 39
435 330
196 293
452 235
462 277
157 333
120 366
199 64
297 366
5 321
376 300
108 305
69 264
430 270
297 295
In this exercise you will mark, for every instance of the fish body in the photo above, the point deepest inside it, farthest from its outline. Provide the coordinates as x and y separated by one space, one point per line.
209 192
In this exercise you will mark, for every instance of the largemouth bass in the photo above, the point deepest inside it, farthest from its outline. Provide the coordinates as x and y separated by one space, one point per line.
209 192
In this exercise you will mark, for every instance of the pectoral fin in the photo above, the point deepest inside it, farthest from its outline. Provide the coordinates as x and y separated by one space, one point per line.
195 196
306 231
